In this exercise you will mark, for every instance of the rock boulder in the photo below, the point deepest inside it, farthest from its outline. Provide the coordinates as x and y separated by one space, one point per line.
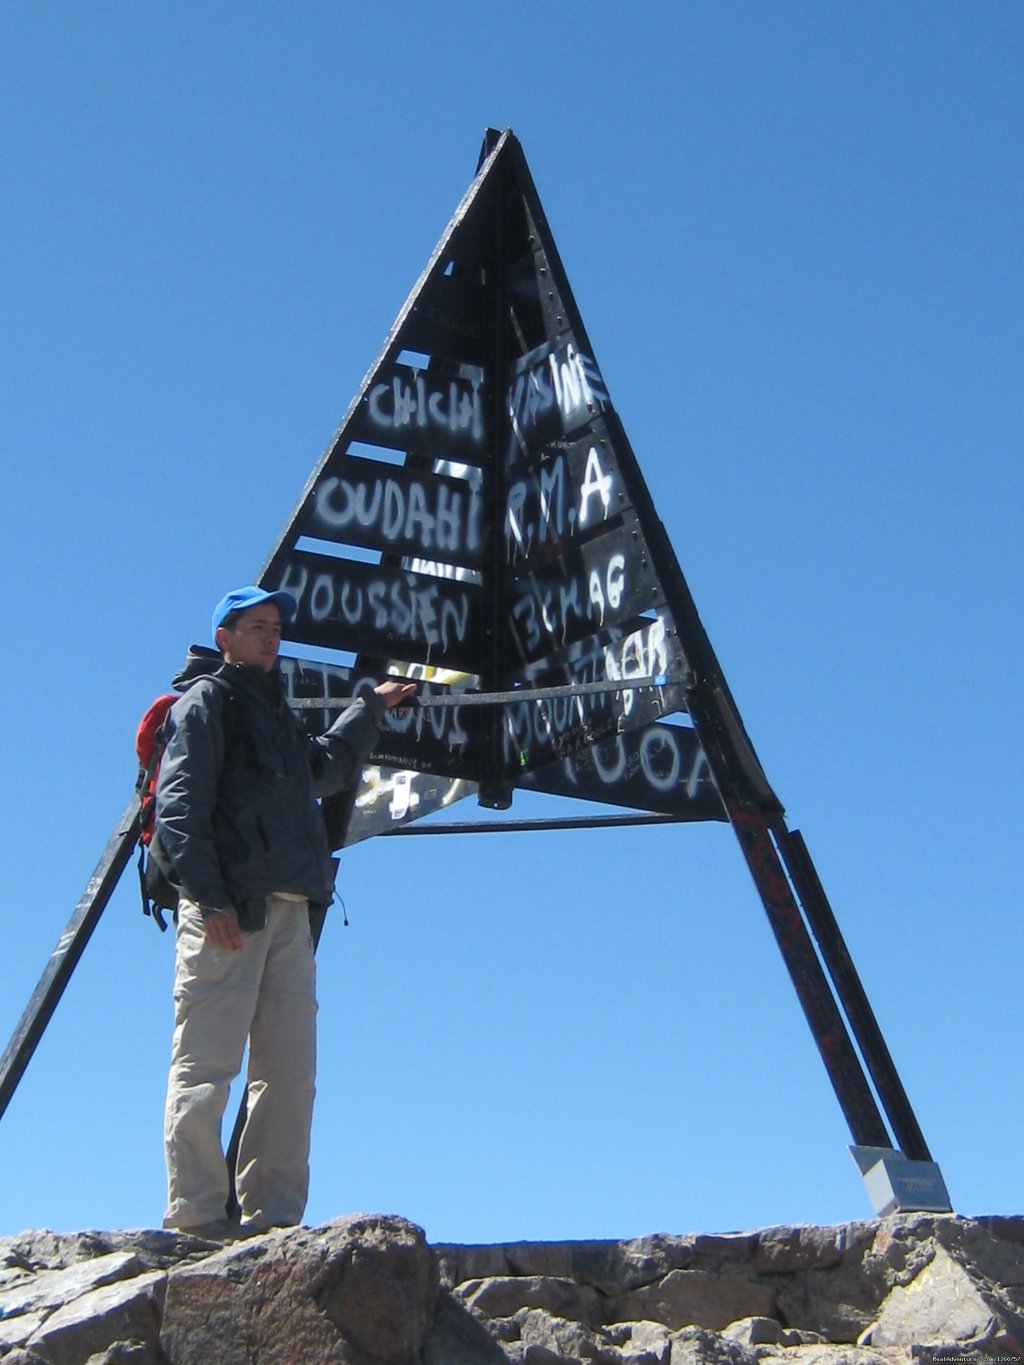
369 1290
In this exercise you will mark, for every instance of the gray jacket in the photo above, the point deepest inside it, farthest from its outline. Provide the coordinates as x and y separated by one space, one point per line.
236 811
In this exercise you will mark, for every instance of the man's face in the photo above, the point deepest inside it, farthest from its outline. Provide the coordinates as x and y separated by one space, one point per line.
254 639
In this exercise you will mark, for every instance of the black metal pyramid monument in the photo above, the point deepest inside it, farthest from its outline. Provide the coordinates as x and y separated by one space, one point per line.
480 523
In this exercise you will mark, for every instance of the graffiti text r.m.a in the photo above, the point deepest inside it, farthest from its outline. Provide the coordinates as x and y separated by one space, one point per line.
566 492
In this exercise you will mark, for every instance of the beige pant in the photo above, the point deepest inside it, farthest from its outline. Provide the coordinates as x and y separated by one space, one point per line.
264 992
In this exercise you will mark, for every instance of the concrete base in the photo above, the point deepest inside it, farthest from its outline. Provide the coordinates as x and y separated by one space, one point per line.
895 1184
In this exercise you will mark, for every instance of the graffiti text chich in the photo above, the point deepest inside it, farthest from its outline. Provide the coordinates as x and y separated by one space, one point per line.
412 401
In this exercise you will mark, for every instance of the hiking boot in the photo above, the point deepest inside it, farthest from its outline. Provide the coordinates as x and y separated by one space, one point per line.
219 1230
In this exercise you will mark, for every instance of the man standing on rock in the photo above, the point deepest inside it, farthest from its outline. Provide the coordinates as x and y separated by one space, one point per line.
238 822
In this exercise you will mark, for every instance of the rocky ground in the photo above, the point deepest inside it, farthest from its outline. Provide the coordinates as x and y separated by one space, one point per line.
369 1290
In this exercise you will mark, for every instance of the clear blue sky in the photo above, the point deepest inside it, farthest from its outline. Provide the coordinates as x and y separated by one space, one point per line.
794 233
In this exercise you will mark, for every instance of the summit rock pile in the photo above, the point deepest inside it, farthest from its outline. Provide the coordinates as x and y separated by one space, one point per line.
369 1290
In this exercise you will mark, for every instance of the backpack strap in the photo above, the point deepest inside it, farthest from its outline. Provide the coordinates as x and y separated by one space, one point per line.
159 893
157 890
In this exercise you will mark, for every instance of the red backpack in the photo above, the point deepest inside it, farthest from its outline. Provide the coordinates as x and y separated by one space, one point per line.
158 889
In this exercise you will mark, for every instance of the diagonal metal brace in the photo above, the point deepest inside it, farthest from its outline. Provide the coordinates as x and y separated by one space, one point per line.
69 949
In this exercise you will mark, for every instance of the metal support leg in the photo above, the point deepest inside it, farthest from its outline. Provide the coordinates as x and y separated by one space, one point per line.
65 956
907 1180
805 970
895 1180
851 992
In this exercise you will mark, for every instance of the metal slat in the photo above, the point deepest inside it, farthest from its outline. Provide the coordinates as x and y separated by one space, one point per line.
397 510
382 610
590 584
405 408
449 322
566 491
657 768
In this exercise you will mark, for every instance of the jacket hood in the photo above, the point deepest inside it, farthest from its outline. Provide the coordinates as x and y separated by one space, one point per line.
200 662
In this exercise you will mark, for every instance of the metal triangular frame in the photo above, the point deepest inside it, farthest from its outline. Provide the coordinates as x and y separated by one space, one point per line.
480 523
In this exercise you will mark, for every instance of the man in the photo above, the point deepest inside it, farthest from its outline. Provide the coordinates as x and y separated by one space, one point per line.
237 818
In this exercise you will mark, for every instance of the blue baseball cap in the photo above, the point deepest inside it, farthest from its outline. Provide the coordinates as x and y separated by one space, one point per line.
241 599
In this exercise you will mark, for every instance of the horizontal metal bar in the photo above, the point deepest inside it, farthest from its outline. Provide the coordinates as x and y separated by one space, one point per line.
509 697
531 826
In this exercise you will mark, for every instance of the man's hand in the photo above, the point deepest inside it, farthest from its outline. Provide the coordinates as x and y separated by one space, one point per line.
222 929
395 693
